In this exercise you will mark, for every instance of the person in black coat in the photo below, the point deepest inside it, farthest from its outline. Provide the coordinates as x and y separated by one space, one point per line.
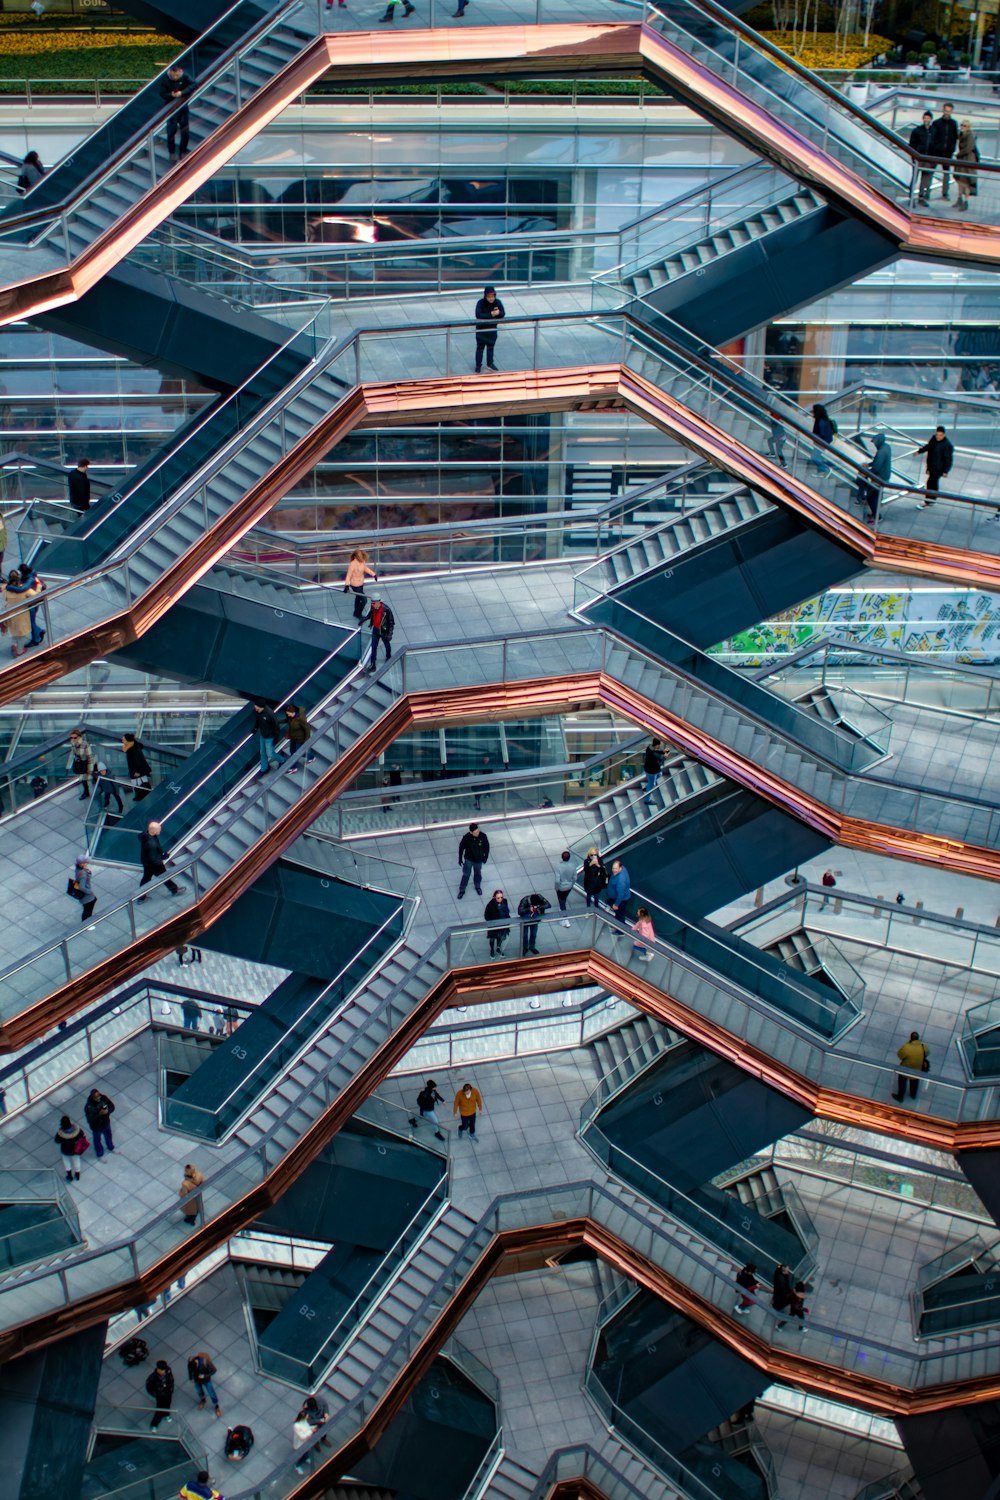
922 142
497 910
595 877
160 1385
944 140
940 455
781 1289
266 728
139 770
98 1111
489 311
79 486
153 859
473 852
383 622
531 909
175 88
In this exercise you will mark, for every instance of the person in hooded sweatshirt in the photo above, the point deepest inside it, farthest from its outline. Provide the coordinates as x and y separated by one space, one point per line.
922 142
880 468
489 311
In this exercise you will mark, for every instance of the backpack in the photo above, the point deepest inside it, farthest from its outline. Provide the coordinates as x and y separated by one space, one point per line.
134 1352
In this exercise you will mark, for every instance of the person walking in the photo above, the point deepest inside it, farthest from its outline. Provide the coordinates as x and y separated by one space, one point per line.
595 878
81 761
106 789
160 1385
188 1192
489 312
199 1488
200 1371
302 1428
265 726
781 1288
747 1281
497 910
922 142
966 159
81 887
427 1099
383 622
17 626
390 9
139 770
72 1143
98 1111
565 881
823 432
153 859
776 442
297 728
913 1054
468 1103
944 140
473 852
652 765
531 909
619 890
176 88
643 928
939 454
797 1304
358 571
32 585
880 470
317 1415
31 172
79 485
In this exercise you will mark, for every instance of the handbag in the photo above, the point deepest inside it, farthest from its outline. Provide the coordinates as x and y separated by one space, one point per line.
80 1145
72 889
79 765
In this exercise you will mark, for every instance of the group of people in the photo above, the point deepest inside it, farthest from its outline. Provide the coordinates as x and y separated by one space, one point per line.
468 1104
787 1296
954 147
938 454
152 856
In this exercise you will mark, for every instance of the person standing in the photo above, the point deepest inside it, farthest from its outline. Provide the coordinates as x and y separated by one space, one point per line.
879 470
266 729
468 1103
652 765
153 859
81 761
72 1144
357 571
189 1194
18 624
489 312
383 622
427 1099
139 770
565 881
106 790
497 910
190 1013
595 878
160 1385
940 455
32 584
79 485
944 139
98 1110
176 87
966 159
81 888
619 891
390 9
746 1280
922 142
473 852
32 172
531 909
912 1054
200 1371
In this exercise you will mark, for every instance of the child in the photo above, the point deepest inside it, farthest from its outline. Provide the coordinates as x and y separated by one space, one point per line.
643 925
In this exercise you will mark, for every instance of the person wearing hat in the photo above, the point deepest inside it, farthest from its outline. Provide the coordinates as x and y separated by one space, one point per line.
81 888
489 311
383 623
106 789
427 1099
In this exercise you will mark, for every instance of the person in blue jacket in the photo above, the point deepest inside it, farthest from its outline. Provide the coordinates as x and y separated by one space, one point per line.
619 890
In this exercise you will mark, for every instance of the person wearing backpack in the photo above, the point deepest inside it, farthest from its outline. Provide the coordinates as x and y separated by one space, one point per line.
426 1100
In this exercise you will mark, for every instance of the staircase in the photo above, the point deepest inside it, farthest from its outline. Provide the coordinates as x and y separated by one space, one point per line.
624 1053
266 1289
619 813
510 1481
642 279
661 545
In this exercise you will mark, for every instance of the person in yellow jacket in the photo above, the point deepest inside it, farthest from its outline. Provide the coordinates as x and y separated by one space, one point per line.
912 1054
468 1103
